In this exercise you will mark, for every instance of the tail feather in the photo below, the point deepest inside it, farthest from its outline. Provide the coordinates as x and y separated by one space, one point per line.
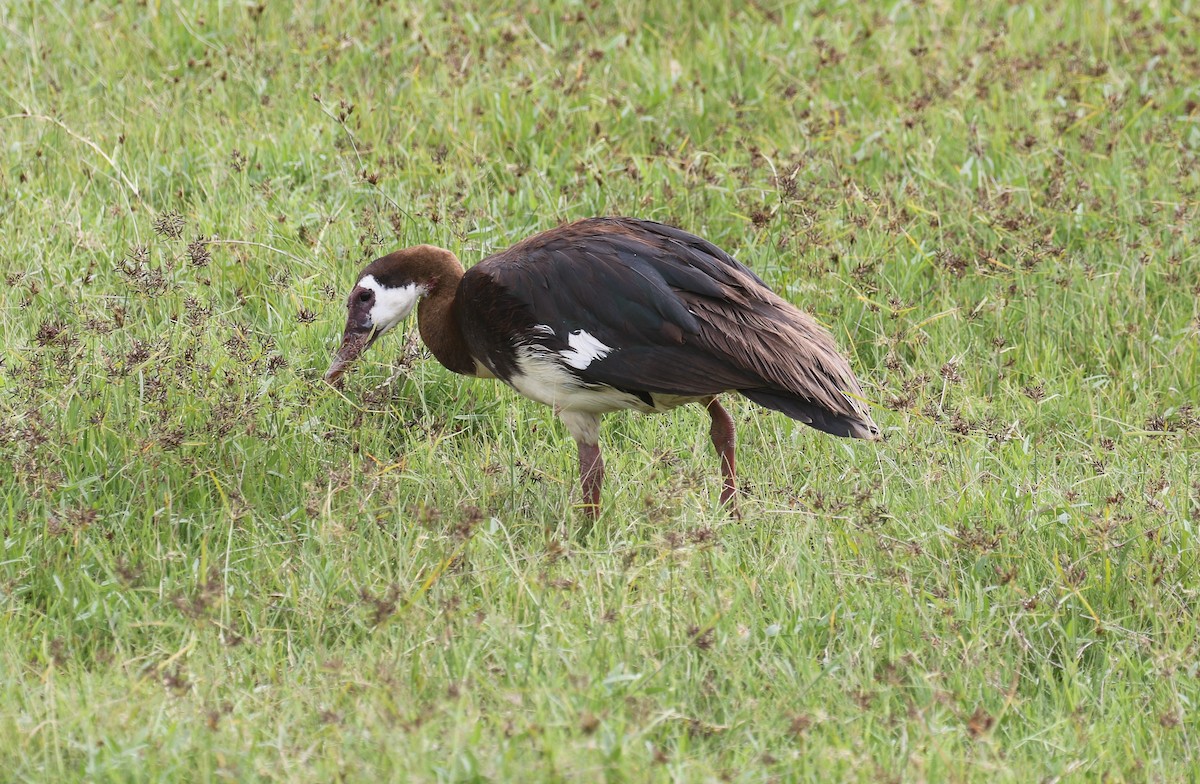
815 415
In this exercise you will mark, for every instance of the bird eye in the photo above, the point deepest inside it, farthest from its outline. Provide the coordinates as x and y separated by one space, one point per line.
364 296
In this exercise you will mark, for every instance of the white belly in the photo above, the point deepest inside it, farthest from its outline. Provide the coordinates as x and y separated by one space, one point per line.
542 377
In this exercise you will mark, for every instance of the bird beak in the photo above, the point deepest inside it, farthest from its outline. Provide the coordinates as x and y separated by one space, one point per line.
354 342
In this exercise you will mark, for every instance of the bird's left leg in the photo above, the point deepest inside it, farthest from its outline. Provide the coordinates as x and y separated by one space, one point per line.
723 436
585 429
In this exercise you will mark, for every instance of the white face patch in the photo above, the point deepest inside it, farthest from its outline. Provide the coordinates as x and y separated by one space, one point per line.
585 349
392 305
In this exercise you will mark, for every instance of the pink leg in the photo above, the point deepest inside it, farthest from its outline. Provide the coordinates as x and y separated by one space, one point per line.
591 477
723 437
585 429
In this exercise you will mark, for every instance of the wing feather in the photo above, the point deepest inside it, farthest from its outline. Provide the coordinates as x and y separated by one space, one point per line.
683 318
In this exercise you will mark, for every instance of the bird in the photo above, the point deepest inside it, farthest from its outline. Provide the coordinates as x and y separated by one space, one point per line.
613 313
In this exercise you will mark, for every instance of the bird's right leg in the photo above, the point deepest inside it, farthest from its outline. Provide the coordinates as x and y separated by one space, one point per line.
723 437
585 429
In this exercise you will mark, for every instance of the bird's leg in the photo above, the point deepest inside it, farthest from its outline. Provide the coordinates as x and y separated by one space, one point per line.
585 429
722 433
591 477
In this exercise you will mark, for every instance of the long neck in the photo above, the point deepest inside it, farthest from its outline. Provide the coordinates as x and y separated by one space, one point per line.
437 319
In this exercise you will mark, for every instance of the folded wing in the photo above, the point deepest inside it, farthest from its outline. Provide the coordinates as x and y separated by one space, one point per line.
679 315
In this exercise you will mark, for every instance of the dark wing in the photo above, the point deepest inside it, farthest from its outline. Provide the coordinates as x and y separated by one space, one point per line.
681 315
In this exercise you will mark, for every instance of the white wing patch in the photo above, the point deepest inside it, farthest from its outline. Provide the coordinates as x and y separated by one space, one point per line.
541 376
584 350
392 305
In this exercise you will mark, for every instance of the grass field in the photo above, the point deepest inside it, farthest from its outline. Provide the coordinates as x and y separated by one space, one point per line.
216 567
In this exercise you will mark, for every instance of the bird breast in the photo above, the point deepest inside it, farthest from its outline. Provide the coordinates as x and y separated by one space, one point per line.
550 377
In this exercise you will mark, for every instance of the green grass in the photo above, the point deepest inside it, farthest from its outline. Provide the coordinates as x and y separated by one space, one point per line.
215 567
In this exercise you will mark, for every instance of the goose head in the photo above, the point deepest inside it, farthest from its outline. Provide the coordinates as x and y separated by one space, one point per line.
386 292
